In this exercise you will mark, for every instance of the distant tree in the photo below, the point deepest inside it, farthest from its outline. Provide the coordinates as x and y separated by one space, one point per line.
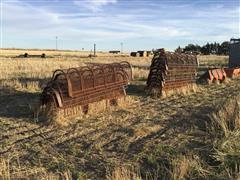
218 47
179 50
191 48
225 48
198 48
209 48
206 49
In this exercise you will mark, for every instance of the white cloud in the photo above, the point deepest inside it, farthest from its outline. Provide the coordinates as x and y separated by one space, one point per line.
33 23
41 23
94 5
21 15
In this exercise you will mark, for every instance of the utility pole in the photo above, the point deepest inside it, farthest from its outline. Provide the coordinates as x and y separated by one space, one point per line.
1 28
94 50
121 47
56 43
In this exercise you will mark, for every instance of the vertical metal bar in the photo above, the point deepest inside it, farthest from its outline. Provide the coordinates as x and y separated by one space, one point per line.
94 50
93 76
104 75
70 93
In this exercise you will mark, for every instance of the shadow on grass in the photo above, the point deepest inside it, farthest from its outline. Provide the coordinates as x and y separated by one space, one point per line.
136 90
40 81
24 81
17 104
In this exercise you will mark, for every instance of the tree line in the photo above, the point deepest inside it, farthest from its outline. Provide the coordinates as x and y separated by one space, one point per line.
209 48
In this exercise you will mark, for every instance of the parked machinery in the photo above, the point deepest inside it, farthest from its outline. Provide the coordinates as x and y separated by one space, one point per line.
171 71
71 91
234 53
233 69
234 59
26 55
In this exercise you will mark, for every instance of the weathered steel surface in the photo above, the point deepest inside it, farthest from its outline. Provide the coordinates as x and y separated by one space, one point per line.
234 59
170 71
232 72
220 74
214 75
234 53
84 85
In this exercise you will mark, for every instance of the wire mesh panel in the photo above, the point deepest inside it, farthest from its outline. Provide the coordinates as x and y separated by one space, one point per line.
170 71
84 85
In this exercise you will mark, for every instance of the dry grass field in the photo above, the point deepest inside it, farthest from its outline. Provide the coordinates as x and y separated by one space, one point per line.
190 136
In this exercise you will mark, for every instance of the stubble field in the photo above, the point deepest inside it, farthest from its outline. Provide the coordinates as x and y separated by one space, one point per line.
194 135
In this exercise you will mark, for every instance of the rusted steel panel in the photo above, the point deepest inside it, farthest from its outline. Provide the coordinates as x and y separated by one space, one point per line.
84 85
170 71
214 75
232 72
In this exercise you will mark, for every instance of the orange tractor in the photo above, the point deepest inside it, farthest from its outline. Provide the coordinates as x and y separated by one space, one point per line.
233 69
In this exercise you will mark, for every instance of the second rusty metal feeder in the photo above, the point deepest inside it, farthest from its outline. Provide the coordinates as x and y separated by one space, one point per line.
170 71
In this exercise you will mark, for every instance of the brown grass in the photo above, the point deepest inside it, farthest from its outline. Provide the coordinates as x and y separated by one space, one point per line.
8 171
63 117
121 143
190 88
212 60
226 118
124 173
186 90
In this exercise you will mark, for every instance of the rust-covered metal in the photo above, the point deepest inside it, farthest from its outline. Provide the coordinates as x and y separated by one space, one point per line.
220 74
234 53
233 69
214 75
232 72
84 85
170 71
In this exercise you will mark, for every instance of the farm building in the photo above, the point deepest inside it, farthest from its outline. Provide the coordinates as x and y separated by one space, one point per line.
149 53
114 52
141 53
145 53
134 54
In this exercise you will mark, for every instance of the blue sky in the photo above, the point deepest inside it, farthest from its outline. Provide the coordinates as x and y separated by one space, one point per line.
138 24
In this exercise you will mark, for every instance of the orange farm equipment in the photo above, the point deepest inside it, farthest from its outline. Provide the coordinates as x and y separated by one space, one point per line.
233 69
214 75
232 72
